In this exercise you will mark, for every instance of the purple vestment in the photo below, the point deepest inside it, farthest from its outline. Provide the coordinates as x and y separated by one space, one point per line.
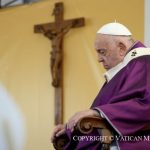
125 103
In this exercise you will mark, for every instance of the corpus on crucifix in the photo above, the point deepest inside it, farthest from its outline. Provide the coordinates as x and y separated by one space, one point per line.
55 32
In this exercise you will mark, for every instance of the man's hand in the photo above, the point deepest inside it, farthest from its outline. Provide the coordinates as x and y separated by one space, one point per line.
75 118
58 130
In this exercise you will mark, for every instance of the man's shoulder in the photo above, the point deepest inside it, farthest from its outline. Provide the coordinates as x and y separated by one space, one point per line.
139 56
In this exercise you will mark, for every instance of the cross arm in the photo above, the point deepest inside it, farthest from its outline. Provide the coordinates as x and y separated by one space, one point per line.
40 28
78 22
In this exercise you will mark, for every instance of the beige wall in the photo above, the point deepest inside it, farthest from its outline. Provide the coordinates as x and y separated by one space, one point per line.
24 59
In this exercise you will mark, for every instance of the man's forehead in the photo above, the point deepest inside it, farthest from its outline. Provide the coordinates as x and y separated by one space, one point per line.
101 39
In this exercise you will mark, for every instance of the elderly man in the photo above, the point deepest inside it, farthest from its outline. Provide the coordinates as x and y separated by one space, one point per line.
124 99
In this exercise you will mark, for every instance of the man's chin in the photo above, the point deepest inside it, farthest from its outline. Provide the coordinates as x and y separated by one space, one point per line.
106 67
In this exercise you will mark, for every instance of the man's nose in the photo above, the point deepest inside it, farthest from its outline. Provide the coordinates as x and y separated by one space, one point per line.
100 59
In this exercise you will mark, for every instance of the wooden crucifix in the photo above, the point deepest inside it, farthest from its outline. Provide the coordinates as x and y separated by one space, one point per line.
55 32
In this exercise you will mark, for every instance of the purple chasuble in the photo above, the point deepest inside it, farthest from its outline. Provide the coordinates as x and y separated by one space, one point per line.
125 103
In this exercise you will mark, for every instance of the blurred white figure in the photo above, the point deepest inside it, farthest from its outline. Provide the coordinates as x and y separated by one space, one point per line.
12 127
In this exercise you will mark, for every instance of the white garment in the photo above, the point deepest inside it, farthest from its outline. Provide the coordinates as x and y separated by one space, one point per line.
12 127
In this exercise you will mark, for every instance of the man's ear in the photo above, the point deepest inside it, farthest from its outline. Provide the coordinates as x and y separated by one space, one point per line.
123 48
